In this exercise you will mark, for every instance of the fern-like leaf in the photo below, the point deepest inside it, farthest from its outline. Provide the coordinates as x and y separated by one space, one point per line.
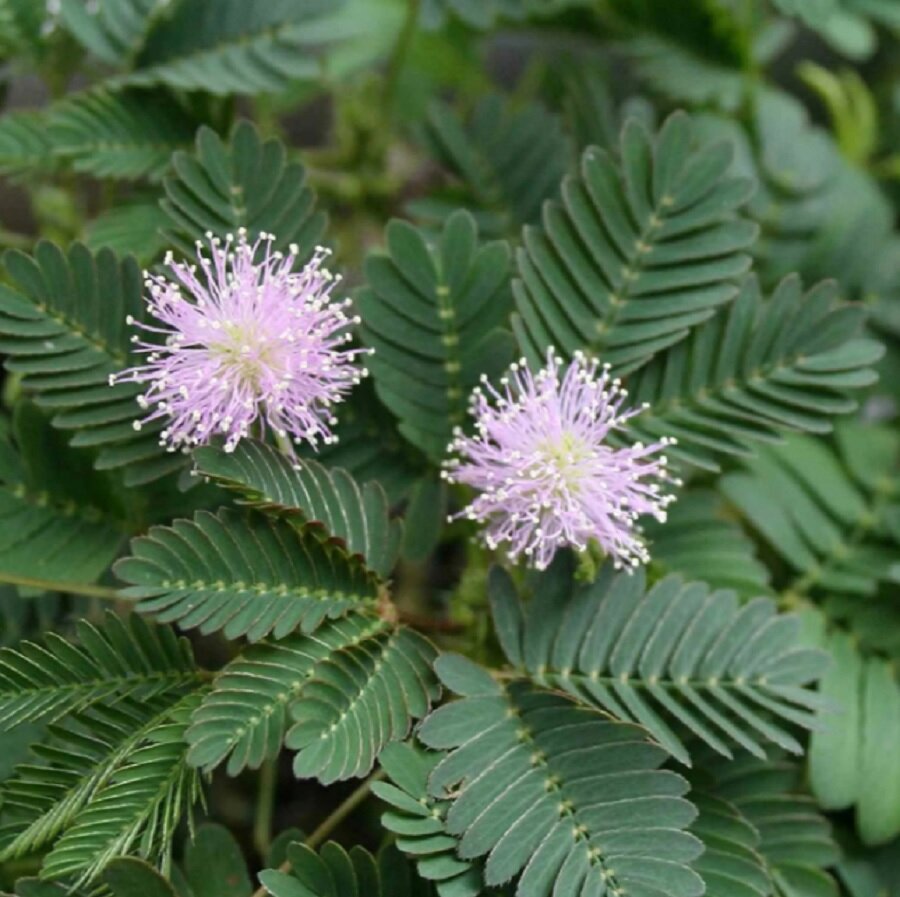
244 574
129 229
247 183
434 316
759 367
119 135
322 499
701 540
114 30
64 330
731 864
355 683
676 652
369 446
638 251
794 837
419 820
234 47
24 144
46 796
848 765
557 793
510 161
833 517
45 681
357 701
139 808
58 519
333 872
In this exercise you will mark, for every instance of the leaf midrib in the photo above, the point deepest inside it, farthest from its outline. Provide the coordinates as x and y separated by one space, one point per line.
668 683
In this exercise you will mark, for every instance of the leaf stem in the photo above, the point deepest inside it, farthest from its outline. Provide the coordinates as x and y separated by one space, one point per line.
340 813
343 810
265 807
52 585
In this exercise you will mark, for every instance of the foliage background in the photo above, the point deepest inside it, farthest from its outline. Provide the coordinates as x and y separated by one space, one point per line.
463 123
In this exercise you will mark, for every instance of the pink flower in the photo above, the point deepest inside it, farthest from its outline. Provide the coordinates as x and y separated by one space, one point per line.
243 343
545 475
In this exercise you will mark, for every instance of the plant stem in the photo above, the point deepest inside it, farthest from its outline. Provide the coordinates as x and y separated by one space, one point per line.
52 585
428 624
333 821
262 827
343 810
401 49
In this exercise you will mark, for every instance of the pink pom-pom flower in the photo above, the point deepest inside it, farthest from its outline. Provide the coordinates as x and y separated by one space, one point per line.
545 473
242 342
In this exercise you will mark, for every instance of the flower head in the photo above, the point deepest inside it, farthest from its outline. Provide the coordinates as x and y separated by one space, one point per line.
242 338
546 476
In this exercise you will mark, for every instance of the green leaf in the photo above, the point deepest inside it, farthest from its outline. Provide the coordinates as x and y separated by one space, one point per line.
820 215
683 76
59 519
358 700
369 446
140 807
510 160
419 820
114 30
848 764
333 872
246 183
700 541
129 877
637 252
559 795
124 135
672 658
119 659
24 144
233 47
315 497
847 25
354 685
48 794
214 864
829 518
757 368
794 837
64 330
129 229
33 887
834 760
243 574
434 313
731 865
425 518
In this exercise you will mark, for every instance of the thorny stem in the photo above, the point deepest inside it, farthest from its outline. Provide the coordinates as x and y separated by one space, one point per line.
333 821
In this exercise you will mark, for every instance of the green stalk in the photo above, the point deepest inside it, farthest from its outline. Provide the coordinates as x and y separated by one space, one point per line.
52 585
351 802
265 808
